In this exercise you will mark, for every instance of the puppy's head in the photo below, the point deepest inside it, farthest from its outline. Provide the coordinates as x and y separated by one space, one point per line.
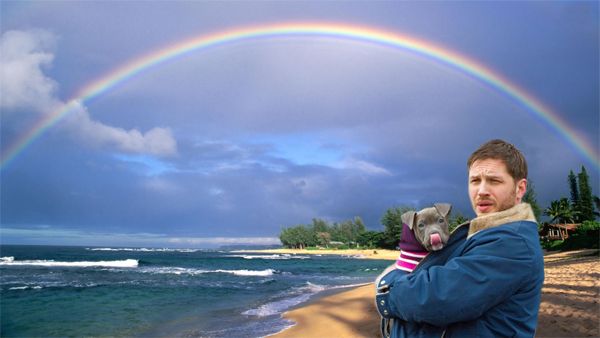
430 225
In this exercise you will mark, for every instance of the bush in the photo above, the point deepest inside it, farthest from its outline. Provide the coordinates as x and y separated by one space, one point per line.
587 236
588 226
552 245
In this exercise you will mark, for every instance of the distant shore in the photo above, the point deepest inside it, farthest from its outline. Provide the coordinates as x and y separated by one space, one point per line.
570 304
355 253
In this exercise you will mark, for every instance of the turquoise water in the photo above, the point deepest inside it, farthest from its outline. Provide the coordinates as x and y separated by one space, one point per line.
81 291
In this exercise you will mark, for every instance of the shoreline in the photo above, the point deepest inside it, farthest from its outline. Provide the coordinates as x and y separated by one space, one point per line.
339 313
570 304
382 254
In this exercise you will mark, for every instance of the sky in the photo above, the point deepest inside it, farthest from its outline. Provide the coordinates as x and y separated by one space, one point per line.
229 144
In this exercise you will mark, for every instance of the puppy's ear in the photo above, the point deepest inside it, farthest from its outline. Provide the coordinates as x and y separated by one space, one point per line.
408 218
443 208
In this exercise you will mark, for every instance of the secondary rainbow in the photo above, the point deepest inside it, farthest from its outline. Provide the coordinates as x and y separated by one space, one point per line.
323 30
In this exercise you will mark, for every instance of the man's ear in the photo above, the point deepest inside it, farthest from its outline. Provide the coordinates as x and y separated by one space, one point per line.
443 208
521 189
408 218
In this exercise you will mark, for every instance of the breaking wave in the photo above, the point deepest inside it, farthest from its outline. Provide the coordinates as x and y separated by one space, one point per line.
298 296
193 272
274 256
143 249
126 263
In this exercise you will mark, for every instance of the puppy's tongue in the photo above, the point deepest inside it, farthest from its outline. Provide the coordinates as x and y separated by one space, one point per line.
436 241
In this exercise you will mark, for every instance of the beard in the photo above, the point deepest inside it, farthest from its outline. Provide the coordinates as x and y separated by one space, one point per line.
497 205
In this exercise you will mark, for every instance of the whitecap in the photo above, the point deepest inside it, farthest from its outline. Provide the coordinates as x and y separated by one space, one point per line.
37 287
127 263
144 249
193 272
258 273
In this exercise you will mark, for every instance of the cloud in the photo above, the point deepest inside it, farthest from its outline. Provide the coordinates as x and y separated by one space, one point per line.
23 56
156 141
49 235
25 86
363 166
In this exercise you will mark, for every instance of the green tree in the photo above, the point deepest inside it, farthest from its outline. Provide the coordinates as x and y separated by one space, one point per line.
298 237
323 238
456 220
319 225
586 207
359 226
371 239
392 221
575 200
561 211
531 198
345 231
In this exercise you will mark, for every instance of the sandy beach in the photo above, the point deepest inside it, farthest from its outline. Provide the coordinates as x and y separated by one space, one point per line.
367 254
570 303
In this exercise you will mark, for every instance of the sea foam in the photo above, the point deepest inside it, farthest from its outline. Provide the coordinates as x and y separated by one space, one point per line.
297 296
258 273
127 263
143 249
193 272
274 256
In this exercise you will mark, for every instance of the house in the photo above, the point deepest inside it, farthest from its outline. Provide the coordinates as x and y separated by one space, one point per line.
552 232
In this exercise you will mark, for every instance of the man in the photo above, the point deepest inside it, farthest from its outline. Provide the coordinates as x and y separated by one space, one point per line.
487 281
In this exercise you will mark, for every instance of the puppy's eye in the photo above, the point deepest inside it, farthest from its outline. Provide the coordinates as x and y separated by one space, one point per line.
441 220
421 225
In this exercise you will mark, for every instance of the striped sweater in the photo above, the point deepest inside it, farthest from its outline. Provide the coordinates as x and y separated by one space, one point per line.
408 260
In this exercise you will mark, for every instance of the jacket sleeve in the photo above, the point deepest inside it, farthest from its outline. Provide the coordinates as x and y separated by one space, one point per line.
494 264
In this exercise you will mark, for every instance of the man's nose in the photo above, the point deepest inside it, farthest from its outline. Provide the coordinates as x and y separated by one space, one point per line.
482 189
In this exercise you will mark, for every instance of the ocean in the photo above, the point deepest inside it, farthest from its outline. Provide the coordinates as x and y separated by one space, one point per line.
53 291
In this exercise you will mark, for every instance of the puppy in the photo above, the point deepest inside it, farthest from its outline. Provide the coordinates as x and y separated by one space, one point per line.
422 232
429 225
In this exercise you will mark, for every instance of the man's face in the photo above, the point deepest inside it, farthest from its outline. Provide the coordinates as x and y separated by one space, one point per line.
491 188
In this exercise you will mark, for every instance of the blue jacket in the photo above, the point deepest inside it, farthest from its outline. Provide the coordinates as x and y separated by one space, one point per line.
486 282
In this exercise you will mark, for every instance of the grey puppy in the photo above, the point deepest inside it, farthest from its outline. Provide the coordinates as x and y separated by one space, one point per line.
430 225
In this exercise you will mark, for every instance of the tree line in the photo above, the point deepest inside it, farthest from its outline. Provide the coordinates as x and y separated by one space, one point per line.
351 233
582 207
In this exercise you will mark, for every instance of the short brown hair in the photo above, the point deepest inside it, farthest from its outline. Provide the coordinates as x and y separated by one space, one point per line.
504 151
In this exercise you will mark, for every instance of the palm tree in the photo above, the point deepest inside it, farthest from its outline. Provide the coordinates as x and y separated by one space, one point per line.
561 211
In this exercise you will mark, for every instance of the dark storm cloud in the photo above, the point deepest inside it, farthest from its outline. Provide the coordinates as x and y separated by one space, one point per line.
263 134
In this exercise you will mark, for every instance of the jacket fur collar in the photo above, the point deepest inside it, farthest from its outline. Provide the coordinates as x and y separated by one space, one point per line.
520 212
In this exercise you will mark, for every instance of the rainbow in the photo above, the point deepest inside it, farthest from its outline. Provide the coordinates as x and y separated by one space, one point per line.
326 30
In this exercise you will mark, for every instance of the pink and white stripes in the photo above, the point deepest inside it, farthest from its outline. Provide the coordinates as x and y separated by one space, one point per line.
408 260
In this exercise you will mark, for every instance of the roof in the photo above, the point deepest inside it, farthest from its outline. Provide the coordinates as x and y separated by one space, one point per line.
566 226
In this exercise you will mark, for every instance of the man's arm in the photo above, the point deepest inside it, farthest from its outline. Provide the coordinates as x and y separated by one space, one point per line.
493 266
